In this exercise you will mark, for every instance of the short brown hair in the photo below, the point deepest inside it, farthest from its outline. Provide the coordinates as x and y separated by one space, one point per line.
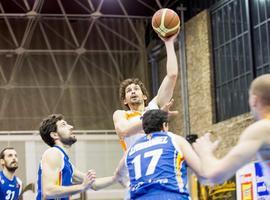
127 82
47 126
261 88
2 153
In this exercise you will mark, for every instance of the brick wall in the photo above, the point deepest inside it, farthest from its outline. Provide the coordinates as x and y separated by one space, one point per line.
201 102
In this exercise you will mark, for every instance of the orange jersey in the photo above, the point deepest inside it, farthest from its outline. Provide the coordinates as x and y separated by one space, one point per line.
128 141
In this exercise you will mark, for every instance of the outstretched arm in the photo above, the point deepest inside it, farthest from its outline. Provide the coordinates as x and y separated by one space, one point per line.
103 182
167 86
99 183
219 170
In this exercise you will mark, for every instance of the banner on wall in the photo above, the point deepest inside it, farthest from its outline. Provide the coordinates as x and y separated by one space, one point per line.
263 190
251 182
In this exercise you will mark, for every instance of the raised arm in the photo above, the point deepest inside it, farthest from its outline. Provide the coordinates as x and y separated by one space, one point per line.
123 127
167 86
51 166
219 170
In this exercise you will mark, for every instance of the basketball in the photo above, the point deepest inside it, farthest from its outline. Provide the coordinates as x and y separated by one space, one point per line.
165 22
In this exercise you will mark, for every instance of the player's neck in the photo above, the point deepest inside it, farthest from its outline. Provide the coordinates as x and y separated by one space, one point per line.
9 175
137 107
265 113
62 146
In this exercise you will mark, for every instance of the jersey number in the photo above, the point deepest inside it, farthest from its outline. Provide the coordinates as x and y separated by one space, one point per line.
10 195
155 156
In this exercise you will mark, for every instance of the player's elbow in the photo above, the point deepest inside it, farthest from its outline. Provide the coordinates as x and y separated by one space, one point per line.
121 132
173 76
214 176
48 192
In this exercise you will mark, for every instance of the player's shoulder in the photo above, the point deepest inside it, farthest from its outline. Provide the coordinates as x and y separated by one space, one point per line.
119 114
175 136
258 129
19 181
52 153
170 134
263 124
52 150
53 157
119 111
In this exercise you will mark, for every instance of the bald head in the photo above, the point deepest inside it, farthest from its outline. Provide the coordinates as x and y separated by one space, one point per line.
261 88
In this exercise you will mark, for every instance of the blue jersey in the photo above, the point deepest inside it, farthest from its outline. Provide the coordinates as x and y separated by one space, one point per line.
64 178
10 189
157 168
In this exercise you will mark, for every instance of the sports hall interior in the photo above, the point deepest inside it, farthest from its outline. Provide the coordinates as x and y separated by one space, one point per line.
69 57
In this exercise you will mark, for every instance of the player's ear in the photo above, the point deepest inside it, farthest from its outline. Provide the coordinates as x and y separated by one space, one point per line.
2 162
165 126
144 97
54 135
253 100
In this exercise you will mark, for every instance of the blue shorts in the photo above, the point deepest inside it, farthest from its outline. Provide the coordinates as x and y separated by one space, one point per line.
163 196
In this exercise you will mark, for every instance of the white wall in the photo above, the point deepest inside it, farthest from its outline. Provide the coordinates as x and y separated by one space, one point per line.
99 150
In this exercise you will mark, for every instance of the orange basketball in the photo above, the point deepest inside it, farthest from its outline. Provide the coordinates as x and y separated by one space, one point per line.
165 22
